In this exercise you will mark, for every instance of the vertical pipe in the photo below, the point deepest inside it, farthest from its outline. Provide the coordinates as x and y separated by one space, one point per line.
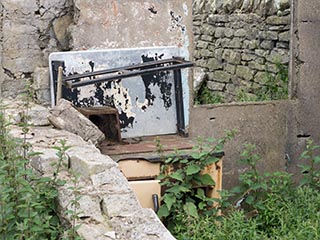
179 101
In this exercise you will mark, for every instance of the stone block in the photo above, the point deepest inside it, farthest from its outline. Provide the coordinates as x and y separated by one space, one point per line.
111 181
268 35
65 116
244 72
60 29
230 68
91 231
256 66
208 29
261 53
260 77
119 205
231 56
285 36
222 42
278 55
89 165
276 20
202 44
220 76
216 18
248 56
205 53
235 43
240 33
206 38
252 44
284 45
229 32
267 44
219 33
218 53
135 226
216 86
214 64
199 76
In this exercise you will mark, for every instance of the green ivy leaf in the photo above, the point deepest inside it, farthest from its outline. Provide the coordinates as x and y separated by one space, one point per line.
200 194
192 169
169 200
211 159
191 209
177 175
206 179
163 211
195 155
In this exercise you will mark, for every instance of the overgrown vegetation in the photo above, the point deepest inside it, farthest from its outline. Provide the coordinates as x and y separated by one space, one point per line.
28 208
274 87
264 206
185 183
205 96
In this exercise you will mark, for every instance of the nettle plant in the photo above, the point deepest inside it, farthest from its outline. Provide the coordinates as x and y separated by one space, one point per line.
184 183
28 207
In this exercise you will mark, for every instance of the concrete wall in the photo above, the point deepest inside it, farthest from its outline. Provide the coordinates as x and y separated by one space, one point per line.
262 124
305 76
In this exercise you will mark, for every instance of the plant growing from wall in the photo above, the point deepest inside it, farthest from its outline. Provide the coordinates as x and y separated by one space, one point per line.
185 184
275 87
205 96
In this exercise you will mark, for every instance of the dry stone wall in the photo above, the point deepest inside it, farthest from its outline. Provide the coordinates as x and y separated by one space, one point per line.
108 209
238 46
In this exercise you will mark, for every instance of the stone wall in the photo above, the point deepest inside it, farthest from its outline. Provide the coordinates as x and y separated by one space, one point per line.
31 30
239 46
108 208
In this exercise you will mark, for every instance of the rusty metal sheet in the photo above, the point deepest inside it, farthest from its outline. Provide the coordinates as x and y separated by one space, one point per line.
146 104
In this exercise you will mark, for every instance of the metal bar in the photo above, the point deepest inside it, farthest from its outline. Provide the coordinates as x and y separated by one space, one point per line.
128 75
179 101
130 67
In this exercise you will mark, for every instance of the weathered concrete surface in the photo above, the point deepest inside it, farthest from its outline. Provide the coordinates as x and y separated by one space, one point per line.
262 124
65 116
108 208
127 24
305 74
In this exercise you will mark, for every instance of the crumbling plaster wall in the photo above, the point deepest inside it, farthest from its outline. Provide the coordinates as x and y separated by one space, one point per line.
31 30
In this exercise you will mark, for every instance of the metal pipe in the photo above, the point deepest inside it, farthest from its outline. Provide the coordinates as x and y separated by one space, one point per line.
155 200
